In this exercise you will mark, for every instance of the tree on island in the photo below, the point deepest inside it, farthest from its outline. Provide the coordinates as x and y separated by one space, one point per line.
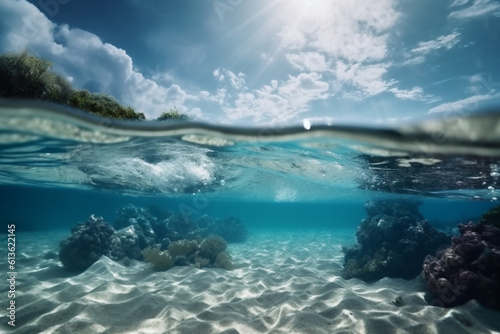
172 115
102 105
27 76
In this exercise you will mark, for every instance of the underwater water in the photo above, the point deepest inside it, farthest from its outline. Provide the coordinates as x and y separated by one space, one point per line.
298 195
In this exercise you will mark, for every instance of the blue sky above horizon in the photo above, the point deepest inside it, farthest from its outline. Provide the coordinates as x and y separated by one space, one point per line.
270 62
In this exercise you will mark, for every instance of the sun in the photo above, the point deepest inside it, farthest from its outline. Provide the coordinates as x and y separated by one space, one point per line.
307 8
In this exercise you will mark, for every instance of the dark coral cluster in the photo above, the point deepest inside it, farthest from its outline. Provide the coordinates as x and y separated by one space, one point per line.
142 222
392 242
468 269
154 226
87 243
198 241
94 238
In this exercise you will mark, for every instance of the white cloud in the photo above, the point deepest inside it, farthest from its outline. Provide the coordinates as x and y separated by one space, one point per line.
355 31
302 89
308 61
276 103
367 79
195 114
85 59
478 8
23 24
468 104
161 78
416 94
219 97
445 41
349 43
236 81
458 3
413 61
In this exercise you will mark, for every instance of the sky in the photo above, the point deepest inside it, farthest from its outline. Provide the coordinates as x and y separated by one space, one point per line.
270 62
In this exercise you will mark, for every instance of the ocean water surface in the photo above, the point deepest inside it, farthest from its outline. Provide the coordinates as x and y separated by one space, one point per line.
300 192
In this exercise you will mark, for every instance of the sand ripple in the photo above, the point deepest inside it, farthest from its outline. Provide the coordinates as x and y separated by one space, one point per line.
286 282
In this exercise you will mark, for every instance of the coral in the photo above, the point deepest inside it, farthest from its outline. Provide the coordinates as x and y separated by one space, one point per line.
223 261
208 252
184 248
199 261
491 217
178 228
367 268
468 269
159 212
158 226
87 243
125 243
392 242
399 208
182 261
161 260
140 230
95 238
211 246
142 221
203 253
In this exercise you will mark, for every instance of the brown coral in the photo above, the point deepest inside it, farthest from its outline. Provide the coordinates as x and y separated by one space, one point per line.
161 260
211 246
223 261
183 248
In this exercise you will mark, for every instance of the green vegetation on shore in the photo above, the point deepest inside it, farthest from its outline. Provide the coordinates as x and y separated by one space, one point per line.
172 115
27 76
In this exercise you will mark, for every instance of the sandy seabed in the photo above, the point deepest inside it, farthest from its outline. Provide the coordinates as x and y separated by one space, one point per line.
283 282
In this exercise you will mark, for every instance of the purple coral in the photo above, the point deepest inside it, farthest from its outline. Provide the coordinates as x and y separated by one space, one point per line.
468 269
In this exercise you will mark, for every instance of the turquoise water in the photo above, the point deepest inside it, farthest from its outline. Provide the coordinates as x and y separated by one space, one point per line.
67 164
62 208
59 166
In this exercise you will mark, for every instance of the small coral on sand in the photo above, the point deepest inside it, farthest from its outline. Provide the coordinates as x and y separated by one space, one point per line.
184 248
223 261
161 260
208 252
211 246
